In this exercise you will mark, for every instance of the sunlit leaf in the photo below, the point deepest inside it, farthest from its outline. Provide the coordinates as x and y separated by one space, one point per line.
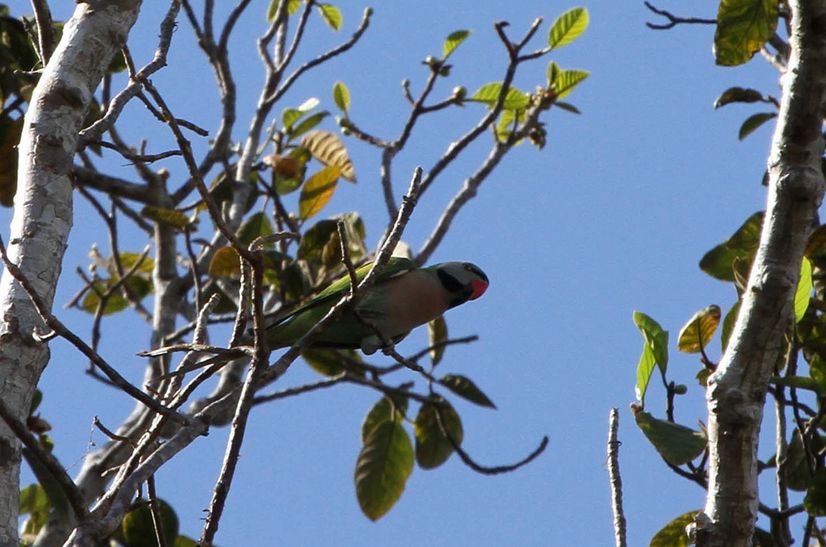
743 26
341 96
804 290
433 448
738 95
718 262
453 40
489 94
676 443
382 469
331 15
170 217
292 7
753 122
645 367
33 499
673 534
465 388
317 191
697 332
566 81
568 27
225 263
327 148
437 333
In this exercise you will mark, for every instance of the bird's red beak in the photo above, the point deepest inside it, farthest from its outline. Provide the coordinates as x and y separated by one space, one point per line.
479 287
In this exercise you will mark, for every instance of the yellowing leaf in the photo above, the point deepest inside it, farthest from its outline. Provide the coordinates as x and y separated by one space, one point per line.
743 26
673 534
327 148
437 332
804 290
170 217
696 334
317 191
225 263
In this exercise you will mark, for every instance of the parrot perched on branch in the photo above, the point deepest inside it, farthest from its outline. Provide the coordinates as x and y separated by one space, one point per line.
402 298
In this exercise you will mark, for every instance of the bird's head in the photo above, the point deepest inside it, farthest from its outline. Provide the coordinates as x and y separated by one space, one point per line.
462 280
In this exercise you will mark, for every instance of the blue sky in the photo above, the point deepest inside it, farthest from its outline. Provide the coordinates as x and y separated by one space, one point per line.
613 215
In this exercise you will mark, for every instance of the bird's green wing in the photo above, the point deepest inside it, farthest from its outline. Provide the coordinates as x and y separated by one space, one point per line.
335 290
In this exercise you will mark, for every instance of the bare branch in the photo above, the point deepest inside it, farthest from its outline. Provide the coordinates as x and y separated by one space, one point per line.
615 479
674 20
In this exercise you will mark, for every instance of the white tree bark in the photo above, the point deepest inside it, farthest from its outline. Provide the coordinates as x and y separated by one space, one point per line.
43 212
736 392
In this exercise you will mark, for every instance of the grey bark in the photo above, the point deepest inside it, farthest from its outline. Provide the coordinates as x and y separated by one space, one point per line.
736 392
43 212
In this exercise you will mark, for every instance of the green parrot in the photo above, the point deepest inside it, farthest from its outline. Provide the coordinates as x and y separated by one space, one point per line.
402 298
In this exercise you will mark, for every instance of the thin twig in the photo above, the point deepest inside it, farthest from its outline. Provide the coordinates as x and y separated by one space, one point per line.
674 20
56 325
615 479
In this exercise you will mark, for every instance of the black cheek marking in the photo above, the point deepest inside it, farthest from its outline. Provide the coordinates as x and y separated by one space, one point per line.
449 282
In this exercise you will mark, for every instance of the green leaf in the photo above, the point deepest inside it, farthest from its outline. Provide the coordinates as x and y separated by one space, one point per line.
331 15
738 95
313 241
170 217
568 107
566 81
453 40
673 534
654 336
385 410
432 447
10 131
139 531
257 225
645 367
743 26
697 332
33 499
306 125
489 94
292 7
568 27
184 541
798 471
437 333
719 261
804 290
815 500
330 362
382 469
115 303
465 388
341 96
676 443
728 325
317 191
753 122
327 148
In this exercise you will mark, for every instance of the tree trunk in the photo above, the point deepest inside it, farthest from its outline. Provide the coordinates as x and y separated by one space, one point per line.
736 392
43 212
